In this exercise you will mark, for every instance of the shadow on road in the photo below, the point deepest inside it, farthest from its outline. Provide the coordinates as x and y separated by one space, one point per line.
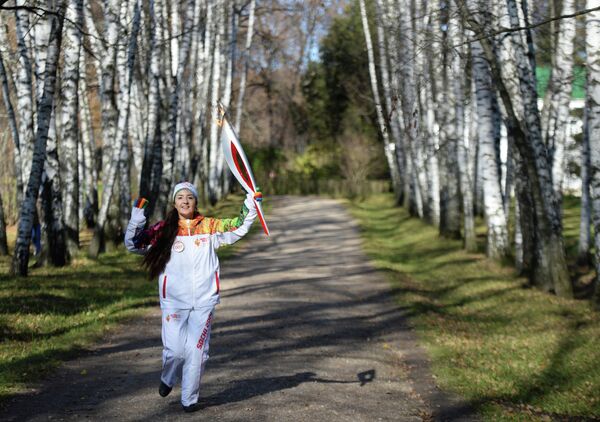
305 302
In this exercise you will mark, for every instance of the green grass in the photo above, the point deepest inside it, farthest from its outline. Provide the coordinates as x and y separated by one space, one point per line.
55 313
514 352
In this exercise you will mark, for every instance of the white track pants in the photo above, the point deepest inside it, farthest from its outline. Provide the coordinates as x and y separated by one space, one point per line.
185 337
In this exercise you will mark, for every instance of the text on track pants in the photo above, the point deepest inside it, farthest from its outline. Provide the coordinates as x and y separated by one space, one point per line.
185 337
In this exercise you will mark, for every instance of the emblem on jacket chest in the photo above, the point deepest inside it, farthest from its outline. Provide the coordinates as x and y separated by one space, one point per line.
178 246
200 240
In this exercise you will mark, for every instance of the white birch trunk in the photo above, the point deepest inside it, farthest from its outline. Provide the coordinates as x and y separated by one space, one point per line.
137 128
25 94
550 272
497 226
204 81
82 172
450 217
585 235
108 94
41 34
457 72
120 212
390 84
166 125
120 137
519 251
229 57
52 218
202 38
175 34
27 212
90 175
214 185
410 108
398 172
69 125
427 141
592 44
556 114
175 104
195 81
151 172
430 128
389 146
246 64
539 207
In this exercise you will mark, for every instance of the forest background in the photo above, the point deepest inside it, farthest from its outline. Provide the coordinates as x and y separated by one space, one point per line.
482 118
134 112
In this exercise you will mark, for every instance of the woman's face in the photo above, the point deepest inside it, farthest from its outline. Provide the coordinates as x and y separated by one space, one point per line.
185 203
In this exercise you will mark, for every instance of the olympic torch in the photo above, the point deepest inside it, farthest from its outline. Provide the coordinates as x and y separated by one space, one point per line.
237 161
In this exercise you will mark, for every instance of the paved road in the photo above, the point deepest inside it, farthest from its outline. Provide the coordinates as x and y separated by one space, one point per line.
306 331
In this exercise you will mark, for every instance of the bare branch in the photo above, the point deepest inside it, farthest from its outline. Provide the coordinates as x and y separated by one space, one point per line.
526 27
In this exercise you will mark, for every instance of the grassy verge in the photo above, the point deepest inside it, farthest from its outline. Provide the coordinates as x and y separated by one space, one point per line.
515 353
55 313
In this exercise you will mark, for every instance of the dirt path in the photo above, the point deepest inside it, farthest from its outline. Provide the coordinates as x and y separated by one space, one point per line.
306 331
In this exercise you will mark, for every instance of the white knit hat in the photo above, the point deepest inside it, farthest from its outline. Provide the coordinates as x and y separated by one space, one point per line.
185 185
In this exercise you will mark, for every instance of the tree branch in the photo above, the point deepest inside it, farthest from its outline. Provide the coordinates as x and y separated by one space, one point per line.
531 26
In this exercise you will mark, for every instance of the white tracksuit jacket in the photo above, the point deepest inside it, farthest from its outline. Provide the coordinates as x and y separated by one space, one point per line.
189 289
191 277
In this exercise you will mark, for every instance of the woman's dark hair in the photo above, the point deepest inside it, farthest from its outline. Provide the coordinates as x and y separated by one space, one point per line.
159 254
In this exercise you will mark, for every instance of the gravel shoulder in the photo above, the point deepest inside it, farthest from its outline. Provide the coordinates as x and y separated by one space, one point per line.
306 331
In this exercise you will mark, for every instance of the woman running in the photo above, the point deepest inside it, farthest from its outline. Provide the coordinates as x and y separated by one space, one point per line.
181 252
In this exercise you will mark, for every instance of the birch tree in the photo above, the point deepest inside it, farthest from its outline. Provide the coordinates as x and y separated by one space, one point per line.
583 247
21 255
592 45
90 174
120 136
214 173
203 82
69 121
397 149
152 161
450 221
24 91
183 53
130 11
430 125
54 243
389 147
246 64
168 67
549 269
51 218
497 245
410 111
458 94
556 113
